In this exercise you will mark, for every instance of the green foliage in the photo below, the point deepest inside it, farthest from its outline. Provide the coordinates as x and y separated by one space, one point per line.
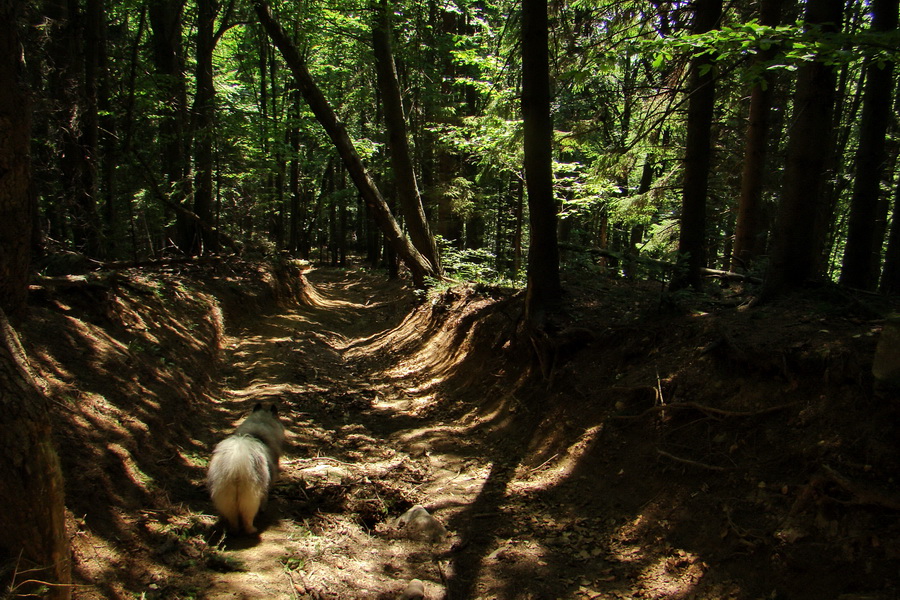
467 264
619 72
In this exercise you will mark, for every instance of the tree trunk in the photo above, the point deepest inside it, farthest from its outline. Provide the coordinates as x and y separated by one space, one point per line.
698 151
89 140
799 237
419 267
890 274
398 142
204 107
16 201
32 522
863 251
296 219
747 228
165 23
517 235
75 119
107 156
543 291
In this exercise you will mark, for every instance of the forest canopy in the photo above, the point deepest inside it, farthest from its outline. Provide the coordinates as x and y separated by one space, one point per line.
758 138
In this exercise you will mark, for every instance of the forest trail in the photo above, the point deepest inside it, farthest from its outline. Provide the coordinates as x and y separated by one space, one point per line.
351 456
672 454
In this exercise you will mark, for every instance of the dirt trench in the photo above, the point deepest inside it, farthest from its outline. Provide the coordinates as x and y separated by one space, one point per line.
702 454
361 447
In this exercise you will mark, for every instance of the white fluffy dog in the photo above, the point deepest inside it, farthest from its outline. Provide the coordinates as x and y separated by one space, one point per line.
244 466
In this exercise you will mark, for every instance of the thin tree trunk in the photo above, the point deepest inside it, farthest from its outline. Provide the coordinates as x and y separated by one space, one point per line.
294 224
398 142
165 23
890 274
544 290
76 120
204 108
862 254
419 267
517 235
799 237
698 151
108 157
748 226
90 130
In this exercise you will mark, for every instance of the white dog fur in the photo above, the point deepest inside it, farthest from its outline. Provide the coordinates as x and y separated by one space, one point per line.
244 466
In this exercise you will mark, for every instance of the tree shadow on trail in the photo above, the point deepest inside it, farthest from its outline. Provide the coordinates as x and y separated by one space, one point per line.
478 524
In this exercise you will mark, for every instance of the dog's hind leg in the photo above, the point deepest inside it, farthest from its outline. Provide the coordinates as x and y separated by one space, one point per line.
248 507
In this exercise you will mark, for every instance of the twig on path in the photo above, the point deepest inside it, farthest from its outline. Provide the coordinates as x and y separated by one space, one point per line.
314 458
293 585
540 466
710 410
688 461
437 563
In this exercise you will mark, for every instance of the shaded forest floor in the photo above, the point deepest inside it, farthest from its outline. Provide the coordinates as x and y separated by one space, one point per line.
671 448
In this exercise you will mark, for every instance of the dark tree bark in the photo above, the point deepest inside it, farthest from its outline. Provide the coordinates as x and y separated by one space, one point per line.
863 251
16 201
293 134
799 236
75 119
890 274
398 142
107 156
698 151
543 291
32 522
204 109
89 140
167 43
748 226
419 267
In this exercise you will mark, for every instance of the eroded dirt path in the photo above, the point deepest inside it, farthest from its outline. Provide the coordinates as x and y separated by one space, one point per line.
358 453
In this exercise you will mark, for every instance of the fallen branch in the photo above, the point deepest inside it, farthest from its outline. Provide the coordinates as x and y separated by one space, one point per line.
102 278
862 493
328 458
42 282
688 461
709 410
120 265
730 275
543 464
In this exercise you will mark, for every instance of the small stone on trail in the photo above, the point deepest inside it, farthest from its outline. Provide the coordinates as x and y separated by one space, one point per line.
324 474
418 524
414 591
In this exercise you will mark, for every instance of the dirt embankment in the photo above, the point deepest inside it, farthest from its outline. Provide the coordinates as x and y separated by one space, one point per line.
684 448
132 362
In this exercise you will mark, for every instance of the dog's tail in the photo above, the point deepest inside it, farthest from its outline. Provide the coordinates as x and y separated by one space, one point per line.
239 479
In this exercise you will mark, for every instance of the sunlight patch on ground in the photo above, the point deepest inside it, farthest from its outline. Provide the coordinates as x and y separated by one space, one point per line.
556 468
672 576
314 297
263 391
129 465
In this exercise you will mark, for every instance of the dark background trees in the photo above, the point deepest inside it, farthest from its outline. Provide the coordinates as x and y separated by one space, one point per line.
178 127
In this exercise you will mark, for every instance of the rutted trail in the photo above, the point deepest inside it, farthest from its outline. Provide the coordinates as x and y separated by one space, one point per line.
353 459
767 472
